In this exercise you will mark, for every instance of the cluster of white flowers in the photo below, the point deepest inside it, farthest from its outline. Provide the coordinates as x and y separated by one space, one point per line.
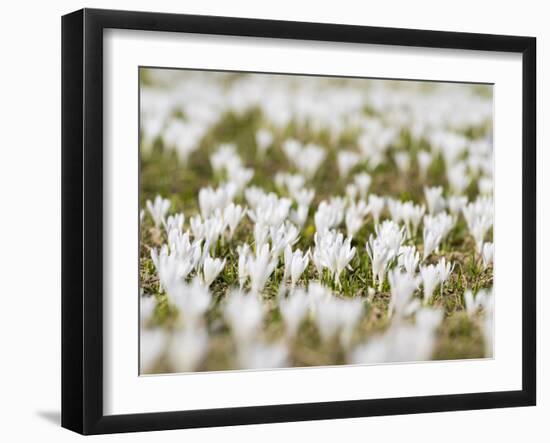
402 341
250 260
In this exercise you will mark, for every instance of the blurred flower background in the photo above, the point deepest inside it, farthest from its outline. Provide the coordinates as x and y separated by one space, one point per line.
292 221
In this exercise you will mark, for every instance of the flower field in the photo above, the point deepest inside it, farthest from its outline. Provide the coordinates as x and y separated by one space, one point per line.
293 221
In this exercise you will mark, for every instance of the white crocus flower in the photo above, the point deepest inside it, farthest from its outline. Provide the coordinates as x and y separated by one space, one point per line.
260 267
482 206
478 229
424 159
363 182
232 215
238 177
152 344
458 178
479 218
355 217
354 222
180 243
474 303
346 161
403 161
264 139
430 279
336 315
261 235
206 250
174 222
211 199
298 266
211 269
376 206
287 256
329 214
485 185
323 241
172 269
208 230
408 259
254 195
441 224
299 215
259 355
291 148
197 227
147 305
225 157
306 159
351 192
287 234
456 203
432 241
434 199
187 349
391 235
444 270
452 146
316 257
380 256
285 181
243 252
158 209
350 313
396 209
337 255
487 253
412 216
270 210
303 196
184 137
309 159
244 314
192 301
402 341
317 293
294 309
402 286
429 318
338 203
213 228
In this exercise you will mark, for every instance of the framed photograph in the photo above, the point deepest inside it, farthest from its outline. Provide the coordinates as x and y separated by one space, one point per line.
269 221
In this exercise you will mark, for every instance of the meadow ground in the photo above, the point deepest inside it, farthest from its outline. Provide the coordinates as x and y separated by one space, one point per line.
459 334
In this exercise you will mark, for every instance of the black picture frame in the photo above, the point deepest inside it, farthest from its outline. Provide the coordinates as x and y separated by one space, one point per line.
82 220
